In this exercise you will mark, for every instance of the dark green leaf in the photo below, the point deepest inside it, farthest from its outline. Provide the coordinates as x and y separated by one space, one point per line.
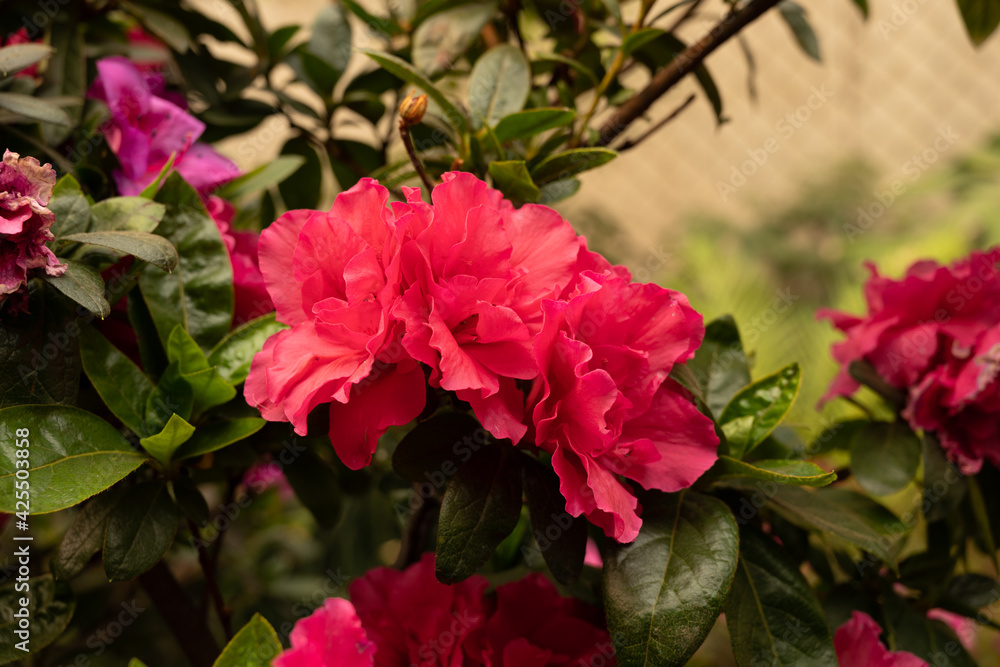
910 630
262 177
151 352
966 594
85 536
981 18
122 385
795 16
233 354
279 39
528 123
575 65
163 25
74 454
148 247
33 108
212 437
21 56
772 613
136 214
255 645
757 409
315 485
173 394
71 208
305 185
720 364
944 484
559 190
84 285
863 6
50 608
434 449
190 500
384 25
561 538
638 39
499 85
664 592
199 294
480 508
662 50
140 531
442 39
511 177
162 445
331 38
569 163
885 457
793 473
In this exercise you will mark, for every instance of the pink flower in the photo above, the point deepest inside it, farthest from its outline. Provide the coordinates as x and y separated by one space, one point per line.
334 278
964 627
604 406
933 334
146 128
858 645
332 635
251 298
25 191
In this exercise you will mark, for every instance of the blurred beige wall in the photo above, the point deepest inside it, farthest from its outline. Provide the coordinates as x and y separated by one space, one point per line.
886 90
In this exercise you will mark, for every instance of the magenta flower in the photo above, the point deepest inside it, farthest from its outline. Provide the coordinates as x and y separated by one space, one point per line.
25 191
250 293
858 645
332 635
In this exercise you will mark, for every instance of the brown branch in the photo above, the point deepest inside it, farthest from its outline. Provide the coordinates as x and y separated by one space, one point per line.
679 67
632 143
180 615
211 582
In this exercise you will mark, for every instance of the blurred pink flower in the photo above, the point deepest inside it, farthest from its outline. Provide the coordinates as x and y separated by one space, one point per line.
331 635
964 627
858 645
251 297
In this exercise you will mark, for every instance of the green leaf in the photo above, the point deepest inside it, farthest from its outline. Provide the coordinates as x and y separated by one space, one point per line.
944 484
190 500
664 591
638 39
84 285
884 457
304 187
331 38
528 123
481 506
261 178
315 485
433 450
140 531
121 384
34 108
863 6
15 58
149 192
233 354
50 608
575 65
966 594
278 40
405 71
757 409
85 536
512 178
663 50
162 445
499 85
255 645
74 454
981 18
772 613
212 437
136 662
116 214
559 190
561 538
442 39
149 247
173 394
163 25
208 389
151 352
720 364
71 208
615 10
795 17
199 294
569 163
910 630
793 473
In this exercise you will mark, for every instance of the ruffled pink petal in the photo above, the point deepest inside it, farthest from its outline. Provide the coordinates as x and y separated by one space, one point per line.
331 635
857 643
276 251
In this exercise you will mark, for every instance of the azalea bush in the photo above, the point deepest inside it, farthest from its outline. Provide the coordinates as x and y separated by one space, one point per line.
375 402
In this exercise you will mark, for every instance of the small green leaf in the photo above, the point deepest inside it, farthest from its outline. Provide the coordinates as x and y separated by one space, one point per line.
514 181
70 207
149 247
793 473
981 18
136 214
720 364
163 25
315 485
50 607
442 39
212 437
863 6
255 645
162 445
884 457
526 124
233 354
570 163
757 409
74 454
85 536
84 285
664 592
772 613
208 388
795 17
15 58
140 531
149 192
638 39
261 178
499 85
480 508
278 40
561 538
34 108
121 384
173 395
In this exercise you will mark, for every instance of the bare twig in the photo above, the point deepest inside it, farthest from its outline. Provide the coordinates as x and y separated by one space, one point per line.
411 112
632 143
211 582
683 18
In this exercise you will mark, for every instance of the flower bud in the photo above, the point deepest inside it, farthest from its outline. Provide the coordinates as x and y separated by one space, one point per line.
411 110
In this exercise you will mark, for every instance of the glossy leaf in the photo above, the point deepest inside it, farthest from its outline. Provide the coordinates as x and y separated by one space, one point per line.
140 530
561 538
121 384
74 455
173 394
199 294
208 388
664 592
70 207
512 178
148 247
757 409
255 645
885 457
233 354
793 473
480 508
162 445
85 536
499 85
116 214
570 163
720 364
981 18
84 285
34 108
795 17
772 613
442 39
50 607
526 124
212 437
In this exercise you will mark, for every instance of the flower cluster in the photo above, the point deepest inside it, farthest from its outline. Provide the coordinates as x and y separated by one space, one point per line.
935 335
507 308
407 618
25 191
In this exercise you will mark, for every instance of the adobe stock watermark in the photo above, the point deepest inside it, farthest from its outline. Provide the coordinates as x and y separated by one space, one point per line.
912 169
785 129
901 13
